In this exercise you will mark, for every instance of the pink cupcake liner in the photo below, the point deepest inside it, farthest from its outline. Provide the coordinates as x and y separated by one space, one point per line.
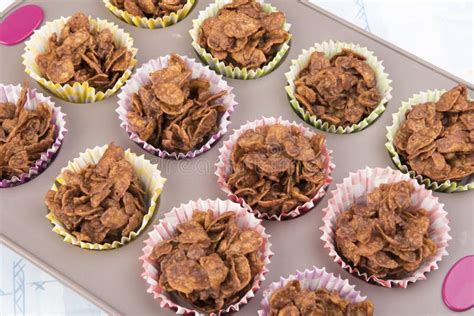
165 230
223 169
354 189
11 93
313 279
142 77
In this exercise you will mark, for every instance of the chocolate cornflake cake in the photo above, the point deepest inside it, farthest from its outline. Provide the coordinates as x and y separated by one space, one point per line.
82 54
292 300
103 202
243 35
386 237
211 262
436 139
341 90
25 134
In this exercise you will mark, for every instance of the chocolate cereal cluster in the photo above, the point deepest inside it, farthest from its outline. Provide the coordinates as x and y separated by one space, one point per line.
243 35
211 262
81 54
437 138
340 90
149 8
385 237
24 135
292 300
102 202
174 112
276 168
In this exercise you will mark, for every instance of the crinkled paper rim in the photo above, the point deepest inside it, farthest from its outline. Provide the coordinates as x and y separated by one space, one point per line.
223 168
149 176
141 77
150 23
11 93
330 49
165 230
313 279
230 70
354 189
78 92
398 119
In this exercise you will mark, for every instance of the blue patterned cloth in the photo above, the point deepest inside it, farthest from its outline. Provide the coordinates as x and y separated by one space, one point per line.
27 290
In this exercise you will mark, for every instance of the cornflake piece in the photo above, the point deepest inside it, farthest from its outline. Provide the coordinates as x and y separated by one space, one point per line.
211 262
150 8
437 138
24 135
276 168
175 112
81 54
243 35
385 237
293 300
341 90
102 203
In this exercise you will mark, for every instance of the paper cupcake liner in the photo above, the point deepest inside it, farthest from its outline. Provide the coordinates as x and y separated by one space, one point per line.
150 23
223 168
142 77
398 119
78 92
330 49
354 189
313 279
165 230
149 175
10 93
230 70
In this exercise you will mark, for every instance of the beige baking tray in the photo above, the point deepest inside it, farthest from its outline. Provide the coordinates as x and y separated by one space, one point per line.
111 279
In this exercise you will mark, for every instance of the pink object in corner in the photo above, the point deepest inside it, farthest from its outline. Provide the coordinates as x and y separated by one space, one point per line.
458 286
19 24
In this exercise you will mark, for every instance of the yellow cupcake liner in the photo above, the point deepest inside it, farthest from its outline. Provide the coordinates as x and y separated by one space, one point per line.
78 92
398 118
330 49
150 23
149 175
230 70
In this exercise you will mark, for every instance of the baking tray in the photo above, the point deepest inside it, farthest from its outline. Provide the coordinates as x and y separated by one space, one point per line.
111 279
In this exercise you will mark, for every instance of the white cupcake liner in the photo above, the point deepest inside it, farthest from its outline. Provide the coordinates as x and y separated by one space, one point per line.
224 168
330 49
165 230
230 70
142 77
78 92
398 118
11 93
354 189
149 176
313 279
151 23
